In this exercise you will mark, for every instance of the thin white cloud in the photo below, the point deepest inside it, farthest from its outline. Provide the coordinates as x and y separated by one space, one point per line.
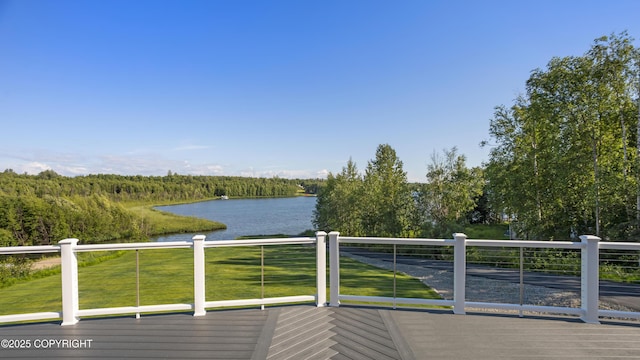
207 169
322 174
146 164
72 170
33 168
191 147
41 155
285 173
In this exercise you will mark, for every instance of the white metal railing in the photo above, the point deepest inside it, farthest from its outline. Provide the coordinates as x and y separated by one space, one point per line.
69 248
589 247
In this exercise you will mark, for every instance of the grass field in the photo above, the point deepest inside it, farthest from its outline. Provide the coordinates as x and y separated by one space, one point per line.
492 232
162 222
166 276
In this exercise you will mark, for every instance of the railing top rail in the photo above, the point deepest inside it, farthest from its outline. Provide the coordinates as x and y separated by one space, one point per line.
527 244
29 249
473 242
13 250
619 245
258 242
134 246
311 240
399 241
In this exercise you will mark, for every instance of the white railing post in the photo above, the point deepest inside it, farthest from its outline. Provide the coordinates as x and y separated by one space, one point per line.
459 272
69 263
321 269
334 269
590 278
198 276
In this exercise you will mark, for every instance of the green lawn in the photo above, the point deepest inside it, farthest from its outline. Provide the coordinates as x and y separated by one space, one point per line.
162 222
491 232
166 276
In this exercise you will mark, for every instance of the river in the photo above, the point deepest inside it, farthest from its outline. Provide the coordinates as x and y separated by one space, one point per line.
290 216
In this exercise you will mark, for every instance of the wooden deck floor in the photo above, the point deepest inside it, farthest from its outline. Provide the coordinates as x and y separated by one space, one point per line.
307 332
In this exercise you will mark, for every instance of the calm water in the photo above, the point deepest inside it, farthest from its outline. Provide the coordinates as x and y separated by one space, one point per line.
289 216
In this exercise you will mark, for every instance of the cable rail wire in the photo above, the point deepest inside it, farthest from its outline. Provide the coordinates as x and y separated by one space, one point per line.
294 270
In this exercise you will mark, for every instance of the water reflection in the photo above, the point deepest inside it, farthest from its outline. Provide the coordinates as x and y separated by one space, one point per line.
243 217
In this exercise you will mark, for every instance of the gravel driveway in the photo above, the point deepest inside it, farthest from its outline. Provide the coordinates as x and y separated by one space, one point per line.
481 289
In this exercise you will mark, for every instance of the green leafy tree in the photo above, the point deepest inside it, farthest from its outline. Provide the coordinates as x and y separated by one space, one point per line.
450 193
561 164
387 203
378 204
338 207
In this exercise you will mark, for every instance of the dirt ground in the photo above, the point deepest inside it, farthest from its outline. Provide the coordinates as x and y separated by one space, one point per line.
45 263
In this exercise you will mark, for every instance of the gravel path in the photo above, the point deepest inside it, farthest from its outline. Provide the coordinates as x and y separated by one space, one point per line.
481 289
45 263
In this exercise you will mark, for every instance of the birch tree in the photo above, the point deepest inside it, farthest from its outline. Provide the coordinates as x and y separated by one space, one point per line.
561 163
450 192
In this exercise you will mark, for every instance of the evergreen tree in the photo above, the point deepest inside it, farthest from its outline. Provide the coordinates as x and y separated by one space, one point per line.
338 207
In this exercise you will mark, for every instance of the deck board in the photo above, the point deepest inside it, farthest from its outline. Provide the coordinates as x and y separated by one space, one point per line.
348 332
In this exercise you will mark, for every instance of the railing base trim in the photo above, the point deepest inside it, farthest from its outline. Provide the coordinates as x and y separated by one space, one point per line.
30 317
265 301
531 308
135 309
619 314
382 299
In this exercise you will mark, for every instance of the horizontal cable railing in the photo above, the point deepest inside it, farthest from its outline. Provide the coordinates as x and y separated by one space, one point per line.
143 281
527 263
291 270
272 265
16 263
384 252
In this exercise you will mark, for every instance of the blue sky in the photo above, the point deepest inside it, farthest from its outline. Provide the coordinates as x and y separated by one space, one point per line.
271 88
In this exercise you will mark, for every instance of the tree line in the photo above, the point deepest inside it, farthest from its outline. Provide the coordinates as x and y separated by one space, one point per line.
45 208
172 187
383 203
564 161
32 220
